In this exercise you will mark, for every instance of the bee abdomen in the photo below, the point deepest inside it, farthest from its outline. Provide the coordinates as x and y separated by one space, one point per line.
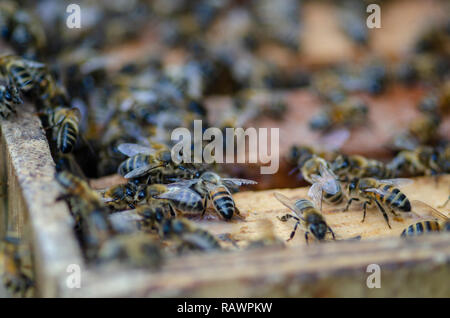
396 199
421 227
223 203
133 163
209 241
21 77
67 136
334 198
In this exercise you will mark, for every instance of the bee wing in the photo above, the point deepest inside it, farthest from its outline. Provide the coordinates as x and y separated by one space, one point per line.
327 180
179 194
196 240
397 182
183 183
131 150
287 203
33 64
315 193
376 190
238 181
424 210
125 221
139 172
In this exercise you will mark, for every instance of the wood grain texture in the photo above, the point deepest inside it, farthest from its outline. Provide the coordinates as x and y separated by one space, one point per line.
32 211
417 267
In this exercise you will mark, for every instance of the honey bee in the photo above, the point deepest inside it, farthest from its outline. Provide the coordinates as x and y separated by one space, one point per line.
142 160
16 267
137 249
354 166
437 102
423 160
305 212
95 226
422 130
325 184
188 235
327 149
64 122
20 72
182 199
154 212
382 192
21 29
214 188
9 98
427 226
158 215
348 113
121 196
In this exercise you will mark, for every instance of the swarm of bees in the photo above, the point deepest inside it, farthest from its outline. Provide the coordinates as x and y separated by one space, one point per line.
105 117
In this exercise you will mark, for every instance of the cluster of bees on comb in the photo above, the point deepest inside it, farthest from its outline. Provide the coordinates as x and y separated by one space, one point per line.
104 116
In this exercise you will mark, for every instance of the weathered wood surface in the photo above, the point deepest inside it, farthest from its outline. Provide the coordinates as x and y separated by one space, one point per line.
31 207
409 268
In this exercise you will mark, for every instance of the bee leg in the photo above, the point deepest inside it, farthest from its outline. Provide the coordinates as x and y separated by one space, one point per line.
393 212
172 212
306 237
350 202
332 233
63 197
384 213
286 217
205 207
293 232
365 209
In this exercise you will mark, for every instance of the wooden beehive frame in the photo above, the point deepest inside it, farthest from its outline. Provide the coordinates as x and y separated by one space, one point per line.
416 267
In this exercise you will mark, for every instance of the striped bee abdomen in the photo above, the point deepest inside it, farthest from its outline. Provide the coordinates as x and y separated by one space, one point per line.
395 198
333 198
223 202
189 202
421 227
21 77
133 163
67 136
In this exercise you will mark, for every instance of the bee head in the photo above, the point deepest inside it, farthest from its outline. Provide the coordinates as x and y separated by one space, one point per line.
172 226
341 163
155 189
165 157
12 94
141 194
319 230
210 177
352 186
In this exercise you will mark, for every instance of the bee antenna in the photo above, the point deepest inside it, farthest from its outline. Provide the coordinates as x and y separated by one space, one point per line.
294 170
